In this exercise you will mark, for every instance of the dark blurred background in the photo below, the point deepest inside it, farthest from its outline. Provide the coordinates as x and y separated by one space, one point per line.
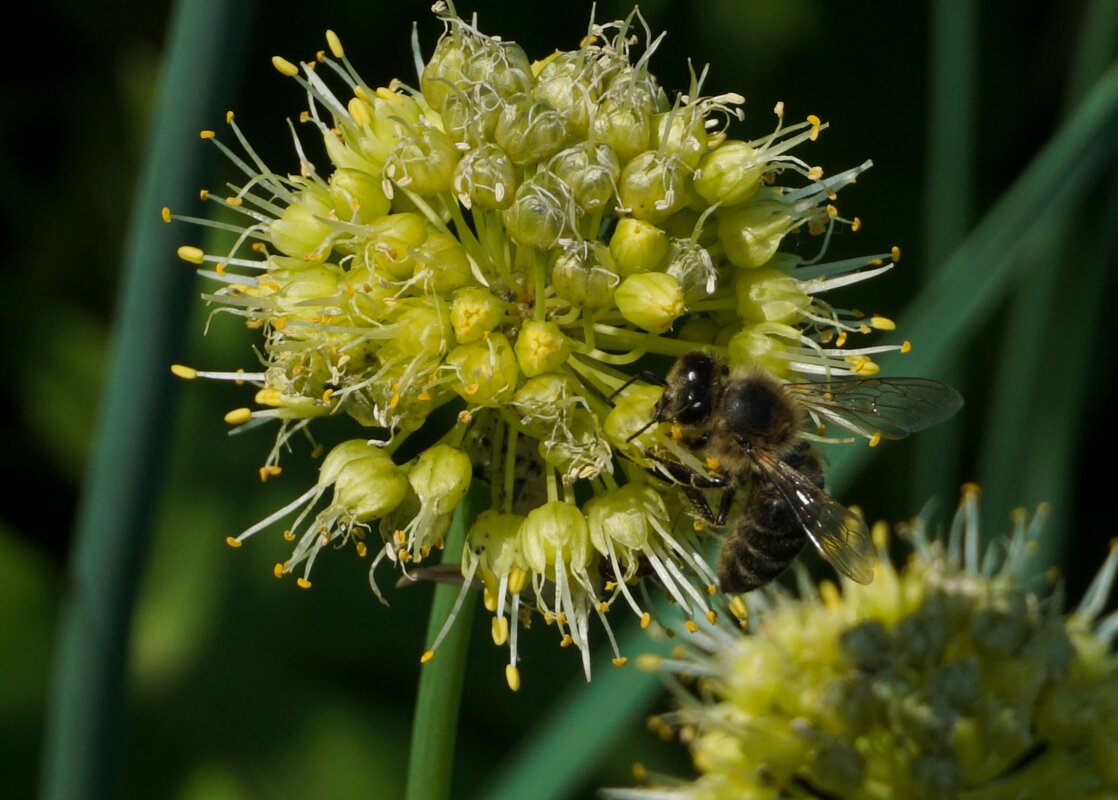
240 686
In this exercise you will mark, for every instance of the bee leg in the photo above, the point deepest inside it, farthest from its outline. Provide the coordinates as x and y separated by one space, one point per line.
699 501
644 375
684 475
724 506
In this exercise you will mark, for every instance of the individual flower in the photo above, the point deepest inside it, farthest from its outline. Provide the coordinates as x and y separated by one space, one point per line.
947 677
469 270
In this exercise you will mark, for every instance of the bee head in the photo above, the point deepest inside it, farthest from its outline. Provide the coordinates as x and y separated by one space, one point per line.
691 388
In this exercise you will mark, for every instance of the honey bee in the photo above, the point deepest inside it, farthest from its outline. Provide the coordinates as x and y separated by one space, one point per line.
749 427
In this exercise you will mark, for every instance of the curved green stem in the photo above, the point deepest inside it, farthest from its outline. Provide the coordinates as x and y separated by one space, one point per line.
430 766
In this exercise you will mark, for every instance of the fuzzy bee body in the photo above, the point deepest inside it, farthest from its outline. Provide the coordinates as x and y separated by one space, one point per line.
748 426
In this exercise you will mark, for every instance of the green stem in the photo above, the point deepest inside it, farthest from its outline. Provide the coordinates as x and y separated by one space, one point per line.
430 767
85 709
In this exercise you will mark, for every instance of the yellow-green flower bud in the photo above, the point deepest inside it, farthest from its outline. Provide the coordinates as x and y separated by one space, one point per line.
474 311
763 345
563 91
682 133
553 532
653 186
539 214
469 116
541 347
504 66
423 162
637 246
651 300
542 401
486 178
751 234
358 196
444 260
575 447
630 413
440 477
769 295
303 229
624 125
423 327
730 174
445 71
486 370
390 246
311 282
625 517
369 487
584 275
691 265
494 539
591 171
341 455
530 130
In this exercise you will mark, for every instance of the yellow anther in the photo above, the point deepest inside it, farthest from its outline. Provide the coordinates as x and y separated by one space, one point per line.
566 641
359 110
319 56
187 373
603 607
233 542
712 590
620 661
610 586
425 550
192 255
253 324
423 397
875 440
206 134
856 225
268 472
882 323
677 432
362 549
229 116
832 211
404 555
880 534
289 536
875 262
423 659
165 214
815 126
204 194
399 537
561 618
738 608
326 395
512 677
335 44
303 583
906 346
269 397
279 323
284 66
971 491
691 626
895 252
841 339
864 328
517 577
646 619
712 617
278 570
238 416
640 774
829 594
713 464
815 173
219 268
500 630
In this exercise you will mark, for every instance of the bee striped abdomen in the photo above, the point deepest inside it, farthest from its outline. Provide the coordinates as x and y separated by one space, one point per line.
769 534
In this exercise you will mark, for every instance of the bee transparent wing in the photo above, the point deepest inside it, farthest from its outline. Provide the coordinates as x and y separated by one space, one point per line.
892 407
840 535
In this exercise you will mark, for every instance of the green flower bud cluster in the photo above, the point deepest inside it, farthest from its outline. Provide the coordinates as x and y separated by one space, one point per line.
945 678
495 242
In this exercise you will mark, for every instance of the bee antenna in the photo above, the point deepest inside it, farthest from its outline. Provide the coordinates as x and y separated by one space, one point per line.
643 428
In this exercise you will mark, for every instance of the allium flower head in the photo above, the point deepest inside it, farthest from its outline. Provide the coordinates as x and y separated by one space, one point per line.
944 678
502 239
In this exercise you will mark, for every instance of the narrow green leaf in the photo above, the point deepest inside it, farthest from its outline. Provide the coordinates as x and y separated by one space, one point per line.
962 295
85 711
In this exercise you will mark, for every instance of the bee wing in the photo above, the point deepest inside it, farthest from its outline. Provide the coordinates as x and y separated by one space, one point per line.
840 535
892 407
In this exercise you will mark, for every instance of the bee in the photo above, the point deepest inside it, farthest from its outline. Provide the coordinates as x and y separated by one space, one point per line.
749 427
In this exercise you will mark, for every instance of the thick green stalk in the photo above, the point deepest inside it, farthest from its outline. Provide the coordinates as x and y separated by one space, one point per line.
85 713
430 767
